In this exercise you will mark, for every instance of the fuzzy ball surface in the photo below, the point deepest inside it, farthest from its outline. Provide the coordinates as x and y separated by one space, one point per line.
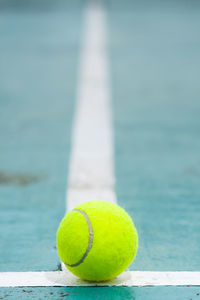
97 240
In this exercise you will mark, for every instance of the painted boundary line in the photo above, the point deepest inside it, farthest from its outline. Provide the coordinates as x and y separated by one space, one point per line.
129 278
91 174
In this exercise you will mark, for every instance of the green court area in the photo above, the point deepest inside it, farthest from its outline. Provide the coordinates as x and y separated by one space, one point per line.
153 49
108 293
39 52
155 69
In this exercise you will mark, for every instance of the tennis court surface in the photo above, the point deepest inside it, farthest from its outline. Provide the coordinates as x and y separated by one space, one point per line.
100 100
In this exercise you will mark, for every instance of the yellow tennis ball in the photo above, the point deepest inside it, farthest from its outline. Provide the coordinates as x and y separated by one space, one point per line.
97 240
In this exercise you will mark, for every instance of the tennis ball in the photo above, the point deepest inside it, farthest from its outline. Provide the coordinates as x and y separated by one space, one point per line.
97 240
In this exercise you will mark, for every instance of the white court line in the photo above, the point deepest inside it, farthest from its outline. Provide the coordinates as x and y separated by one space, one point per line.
129 278
91 171
91 175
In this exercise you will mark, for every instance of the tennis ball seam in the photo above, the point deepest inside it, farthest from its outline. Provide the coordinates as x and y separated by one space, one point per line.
90 241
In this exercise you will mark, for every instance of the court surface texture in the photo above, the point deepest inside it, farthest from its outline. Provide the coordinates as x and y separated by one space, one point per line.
100 100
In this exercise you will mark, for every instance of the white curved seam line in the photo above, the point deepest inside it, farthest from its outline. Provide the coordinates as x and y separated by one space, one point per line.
90 241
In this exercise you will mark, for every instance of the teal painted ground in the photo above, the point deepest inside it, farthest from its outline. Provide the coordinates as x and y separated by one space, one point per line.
154 50
39 52
107 293
154 47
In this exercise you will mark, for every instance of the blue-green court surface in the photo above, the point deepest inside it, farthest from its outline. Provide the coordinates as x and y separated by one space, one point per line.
153 50
39 50
107 293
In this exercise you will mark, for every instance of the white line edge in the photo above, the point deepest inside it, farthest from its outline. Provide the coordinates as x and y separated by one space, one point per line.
91 174
128 278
